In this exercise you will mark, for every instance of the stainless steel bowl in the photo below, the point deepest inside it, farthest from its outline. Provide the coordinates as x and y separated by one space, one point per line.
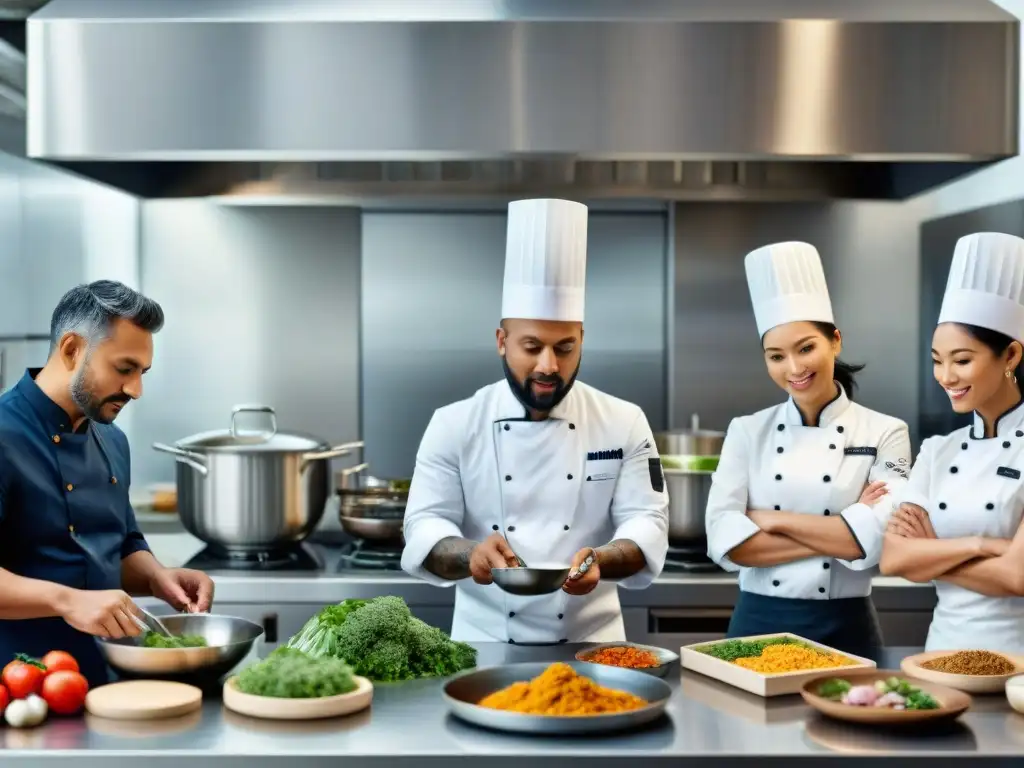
530 581
665 657
462 693
372 529
229 641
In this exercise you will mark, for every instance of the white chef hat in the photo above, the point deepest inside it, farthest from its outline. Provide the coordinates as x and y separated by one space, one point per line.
545 260
787 284
986 284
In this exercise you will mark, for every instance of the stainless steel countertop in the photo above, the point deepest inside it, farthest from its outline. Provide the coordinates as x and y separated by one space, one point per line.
409 724
670 590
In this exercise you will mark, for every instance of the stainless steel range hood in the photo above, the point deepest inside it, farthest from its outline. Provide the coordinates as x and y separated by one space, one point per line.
669 93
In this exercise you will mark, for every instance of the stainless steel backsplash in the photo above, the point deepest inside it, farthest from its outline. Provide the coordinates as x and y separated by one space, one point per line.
262 306
357 323
870 255
432 302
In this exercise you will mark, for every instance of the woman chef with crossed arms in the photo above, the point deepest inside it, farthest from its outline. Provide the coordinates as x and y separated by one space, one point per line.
960 523
799 501
539 465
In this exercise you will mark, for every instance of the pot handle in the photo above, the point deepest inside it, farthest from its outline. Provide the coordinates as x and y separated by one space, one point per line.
194 460
331 453
354 470
254 409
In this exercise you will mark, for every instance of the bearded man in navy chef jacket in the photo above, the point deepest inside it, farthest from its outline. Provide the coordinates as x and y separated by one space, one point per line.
71 551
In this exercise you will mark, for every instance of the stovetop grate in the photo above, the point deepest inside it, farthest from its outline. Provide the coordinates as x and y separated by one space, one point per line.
295 558
357 555
690 558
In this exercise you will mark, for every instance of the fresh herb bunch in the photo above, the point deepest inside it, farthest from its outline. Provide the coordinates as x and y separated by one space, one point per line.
382 641
291 674
730 650
156 640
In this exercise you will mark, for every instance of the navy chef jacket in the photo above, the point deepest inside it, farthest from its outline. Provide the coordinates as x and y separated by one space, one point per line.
64 515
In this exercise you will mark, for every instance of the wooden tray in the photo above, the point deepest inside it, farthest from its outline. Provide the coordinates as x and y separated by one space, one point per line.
952 703
911 667
271 708
760 684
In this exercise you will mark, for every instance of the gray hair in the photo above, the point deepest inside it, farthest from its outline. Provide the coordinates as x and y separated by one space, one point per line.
90 310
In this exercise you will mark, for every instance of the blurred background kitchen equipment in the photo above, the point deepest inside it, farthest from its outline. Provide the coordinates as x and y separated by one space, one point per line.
253 497
689 459
229 641
371 512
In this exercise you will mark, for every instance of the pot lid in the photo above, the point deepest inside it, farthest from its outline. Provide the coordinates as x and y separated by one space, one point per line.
260 438
226 441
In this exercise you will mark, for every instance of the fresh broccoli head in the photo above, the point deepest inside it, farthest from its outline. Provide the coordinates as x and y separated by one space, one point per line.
382 641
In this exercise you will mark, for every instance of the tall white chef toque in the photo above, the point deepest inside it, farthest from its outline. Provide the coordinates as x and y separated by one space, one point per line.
986 284
787 284
545 260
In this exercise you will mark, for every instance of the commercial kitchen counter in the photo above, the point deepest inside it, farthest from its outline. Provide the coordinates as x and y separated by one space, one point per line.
671 590
706 723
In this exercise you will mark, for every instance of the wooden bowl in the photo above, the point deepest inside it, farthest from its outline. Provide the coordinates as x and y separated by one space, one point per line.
272 708
911 667
952 703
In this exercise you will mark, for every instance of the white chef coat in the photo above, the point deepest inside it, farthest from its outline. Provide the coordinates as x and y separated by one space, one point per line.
588 474
971 486
770 460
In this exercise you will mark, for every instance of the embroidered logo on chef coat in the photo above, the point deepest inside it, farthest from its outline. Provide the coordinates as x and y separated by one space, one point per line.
1008 472
898 470
604 455
865 450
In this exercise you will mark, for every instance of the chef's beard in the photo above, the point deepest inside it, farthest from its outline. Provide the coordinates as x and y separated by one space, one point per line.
91 404
543 403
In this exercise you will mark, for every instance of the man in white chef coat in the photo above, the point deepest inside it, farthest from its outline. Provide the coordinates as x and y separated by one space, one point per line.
539 465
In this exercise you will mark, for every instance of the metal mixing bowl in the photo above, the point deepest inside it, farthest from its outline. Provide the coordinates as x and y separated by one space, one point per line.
229 641
531 580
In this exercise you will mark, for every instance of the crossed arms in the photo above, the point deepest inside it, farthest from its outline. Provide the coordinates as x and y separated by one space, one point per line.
738 536
985 565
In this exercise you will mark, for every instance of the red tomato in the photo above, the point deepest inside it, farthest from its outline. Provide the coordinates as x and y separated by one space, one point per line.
64 692
22 678
5 699
57 661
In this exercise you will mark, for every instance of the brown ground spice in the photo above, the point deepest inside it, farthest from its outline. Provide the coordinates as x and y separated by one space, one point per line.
972 663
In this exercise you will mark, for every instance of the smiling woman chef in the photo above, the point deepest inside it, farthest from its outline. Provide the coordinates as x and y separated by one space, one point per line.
799 502
539 464
960 525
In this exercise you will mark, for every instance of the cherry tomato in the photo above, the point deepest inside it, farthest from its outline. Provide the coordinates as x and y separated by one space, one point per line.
64 691
22 678
5 699
57 661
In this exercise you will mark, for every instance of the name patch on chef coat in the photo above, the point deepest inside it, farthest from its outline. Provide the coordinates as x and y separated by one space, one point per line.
866 450
604 455
657 478
1008 472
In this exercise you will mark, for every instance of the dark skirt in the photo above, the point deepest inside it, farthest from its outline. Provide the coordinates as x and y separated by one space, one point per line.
847 624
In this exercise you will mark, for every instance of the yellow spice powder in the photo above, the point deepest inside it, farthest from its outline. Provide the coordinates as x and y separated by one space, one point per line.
776 659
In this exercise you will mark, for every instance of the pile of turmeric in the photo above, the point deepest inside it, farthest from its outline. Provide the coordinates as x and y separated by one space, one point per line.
785 657
558 690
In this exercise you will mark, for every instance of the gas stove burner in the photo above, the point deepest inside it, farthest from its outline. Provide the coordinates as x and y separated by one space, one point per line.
691 557
217 558
360 555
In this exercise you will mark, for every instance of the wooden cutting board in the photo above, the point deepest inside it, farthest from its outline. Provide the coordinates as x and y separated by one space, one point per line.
143 700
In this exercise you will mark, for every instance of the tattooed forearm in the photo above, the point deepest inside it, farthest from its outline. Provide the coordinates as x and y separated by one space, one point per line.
449 558
620 559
